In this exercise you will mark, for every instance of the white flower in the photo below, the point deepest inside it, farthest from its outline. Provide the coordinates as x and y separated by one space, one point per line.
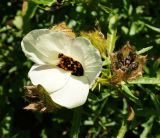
50 50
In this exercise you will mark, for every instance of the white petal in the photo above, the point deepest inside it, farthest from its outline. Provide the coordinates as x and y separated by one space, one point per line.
73 94
52 79
28 45
43 46
88 56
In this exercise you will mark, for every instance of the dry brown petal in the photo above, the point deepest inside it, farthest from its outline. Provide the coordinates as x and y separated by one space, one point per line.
39 100
117 77
24 7
139 71
62 27
131 114
126 49
36 107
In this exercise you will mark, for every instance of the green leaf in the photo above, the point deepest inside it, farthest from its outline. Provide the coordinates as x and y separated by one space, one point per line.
145 80
156 65
143 50
106 62
155 100
106 93
136 27
29 10
147 127
111 40
105 8
45 2
93 96
111 37
122 130
128 93
18 22
153 28
43 134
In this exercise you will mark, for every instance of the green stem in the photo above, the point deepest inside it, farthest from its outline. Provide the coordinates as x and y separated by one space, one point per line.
76 123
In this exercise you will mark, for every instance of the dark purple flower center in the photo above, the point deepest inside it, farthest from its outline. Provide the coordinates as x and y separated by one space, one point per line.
69 64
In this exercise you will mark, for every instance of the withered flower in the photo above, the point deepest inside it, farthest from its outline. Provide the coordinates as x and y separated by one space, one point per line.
39 99
126 64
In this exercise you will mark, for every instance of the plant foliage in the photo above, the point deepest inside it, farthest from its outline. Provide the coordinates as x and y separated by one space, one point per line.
131 109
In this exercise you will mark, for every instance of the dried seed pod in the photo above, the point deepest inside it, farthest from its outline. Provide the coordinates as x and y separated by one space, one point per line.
118 65
126 64
132 55
120 57
134 65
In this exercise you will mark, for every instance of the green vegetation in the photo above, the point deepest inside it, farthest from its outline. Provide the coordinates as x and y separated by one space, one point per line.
131 109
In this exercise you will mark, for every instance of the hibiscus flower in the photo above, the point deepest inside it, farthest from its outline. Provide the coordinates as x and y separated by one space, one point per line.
66 67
